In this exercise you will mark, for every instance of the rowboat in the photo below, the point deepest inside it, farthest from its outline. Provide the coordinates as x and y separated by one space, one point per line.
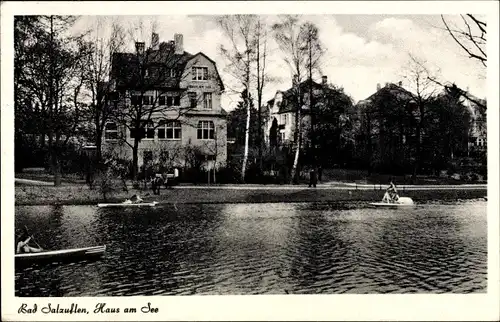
61 255
390 205
121 204
401 202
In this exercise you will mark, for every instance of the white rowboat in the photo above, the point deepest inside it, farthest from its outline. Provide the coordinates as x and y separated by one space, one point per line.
60 255
402 202
142 204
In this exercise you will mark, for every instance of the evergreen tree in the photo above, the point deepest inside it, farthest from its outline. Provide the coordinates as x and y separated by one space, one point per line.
237 122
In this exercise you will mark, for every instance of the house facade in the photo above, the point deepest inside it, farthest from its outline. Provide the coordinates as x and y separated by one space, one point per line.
478 130
280 125
173 97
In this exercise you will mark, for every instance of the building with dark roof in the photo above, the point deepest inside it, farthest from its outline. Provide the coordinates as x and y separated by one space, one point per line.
182 91
282 108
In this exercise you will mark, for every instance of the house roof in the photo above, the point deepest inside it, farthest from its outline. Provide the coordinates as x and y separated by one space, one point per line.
289 94
215 66
389 88
125 67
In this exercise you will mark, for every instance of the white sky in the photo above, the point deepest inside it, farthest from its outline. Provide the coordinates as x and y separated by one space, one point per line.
362 50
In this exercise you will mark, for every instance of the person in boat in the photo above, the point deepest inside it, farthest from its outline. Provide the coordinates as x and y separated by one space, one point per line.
134 199
23 244
391 194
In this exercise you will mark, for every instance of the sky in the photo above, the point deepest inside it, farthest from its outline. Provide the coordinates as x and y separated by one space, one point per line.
361 50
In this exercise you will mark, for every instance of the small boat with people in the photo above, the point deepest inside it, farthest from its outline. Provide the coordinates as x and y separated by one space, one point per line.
400 202
391 199
134 201
61 255
26 253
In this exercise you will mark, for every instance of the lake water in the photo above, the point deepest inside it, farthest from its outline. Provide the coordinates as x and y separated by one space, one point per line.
289 248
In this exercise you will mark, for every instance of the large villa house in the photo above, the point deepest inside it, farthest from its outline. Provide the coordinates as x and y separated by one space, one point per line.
179 93
281 110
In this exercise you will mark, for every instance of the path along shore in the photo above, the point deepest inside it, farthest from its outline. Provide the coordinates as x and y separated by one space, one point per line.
78 194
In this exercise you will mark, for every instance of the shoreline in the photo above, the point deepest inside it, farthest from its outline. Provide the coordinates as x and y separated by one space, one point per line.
82 195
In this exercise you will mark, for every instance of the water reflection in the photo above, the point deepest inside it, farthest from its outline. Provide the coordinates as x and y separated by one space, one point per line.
259 249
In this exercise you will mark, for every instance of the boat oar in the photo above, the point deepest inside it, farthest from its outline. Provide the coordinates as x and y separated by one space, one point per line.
32 238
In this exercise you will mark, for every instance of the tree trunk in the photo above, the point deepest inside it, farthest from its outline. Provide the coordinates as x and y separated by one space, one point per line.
55 166
294 174
135 159
247 135
417 157
260 136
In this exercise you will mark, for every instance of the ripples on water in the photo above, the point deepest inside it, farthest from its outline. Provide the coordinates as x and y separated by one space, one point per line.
260 249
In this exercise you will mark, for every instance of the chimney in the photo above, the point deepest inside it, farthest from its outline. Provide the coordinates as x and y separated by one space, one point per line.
386 84
324 80
155 41
378 87
179 47
400 83
139 47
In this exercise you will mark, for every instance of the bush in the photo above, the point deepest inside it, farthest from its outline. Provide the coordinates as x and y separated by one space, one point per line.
106 183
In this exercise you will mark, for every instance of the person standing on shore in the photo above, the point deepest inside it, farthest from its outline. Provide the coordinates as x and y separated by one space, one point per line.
312 178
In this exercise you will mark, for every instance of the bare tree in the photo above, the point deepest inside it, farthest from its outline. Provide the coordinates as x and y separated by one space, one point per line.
262 78
314 51
240 31
470 35
293 40
103 46
421 90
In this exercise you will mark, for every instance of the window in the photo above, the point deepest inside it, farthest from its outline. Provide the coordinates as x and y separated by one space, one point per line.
135 99
161 100
132 131
149 130
282 137
111 132
207 100
192 99
147 100
177 100
286 119
200 73
206 130
173 100
170 130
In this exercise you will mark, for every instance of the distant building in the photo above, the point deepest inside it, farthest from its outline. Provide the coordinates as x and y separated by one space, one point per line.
183 89
478 132
280 123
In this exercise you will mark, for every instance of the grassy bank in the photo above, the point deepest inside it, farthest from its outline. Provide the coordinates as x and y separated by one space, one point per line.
82 195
